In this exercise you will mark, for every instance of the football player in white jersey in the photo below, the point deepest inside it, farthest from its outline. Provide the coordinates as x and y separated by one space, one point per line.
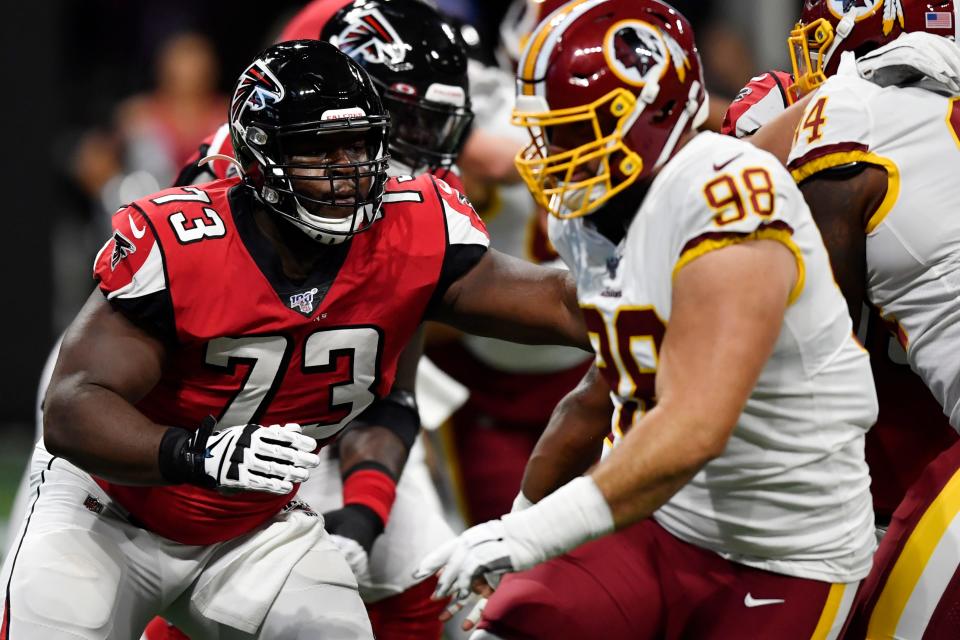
735 482
877 162
871 159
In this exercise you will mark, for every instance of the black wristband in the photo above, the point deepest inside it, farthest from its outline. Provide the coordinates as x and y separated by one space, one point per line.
181 453
175 466
355 521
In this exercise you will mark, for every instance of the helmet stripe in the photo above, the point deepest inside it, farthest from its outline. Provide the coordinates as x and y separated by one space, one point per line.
534 61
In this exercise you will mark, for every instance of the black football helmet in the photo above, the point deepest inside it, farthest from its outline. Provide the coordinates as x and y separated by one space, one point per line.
304 98
418 61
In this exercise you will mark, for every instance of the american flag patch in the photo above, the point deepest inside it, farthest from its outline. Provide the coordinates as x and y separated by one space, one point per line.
939 20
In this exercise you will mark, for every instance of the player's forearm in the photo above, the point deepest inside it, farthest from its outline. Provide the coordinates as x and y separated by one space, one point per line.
372 443
510 299
571 443
776 136
659 455
102 433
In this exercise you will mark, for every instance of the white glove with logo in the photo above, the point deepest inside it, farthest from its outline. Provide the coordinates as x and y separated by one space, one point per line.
916 58
255 458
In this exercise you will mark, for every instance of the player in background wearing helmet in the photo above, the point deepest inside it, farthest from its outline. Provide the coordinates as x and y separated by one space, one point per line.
869 157
285 296
735 480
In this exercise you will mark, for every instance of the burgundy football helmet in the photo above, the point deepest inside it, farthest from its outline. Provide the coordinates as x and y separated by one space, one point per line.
605 88
829 27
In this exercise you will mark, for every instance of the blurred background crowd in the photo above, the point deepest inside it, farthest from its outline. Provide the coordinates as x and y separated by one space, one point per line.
106 99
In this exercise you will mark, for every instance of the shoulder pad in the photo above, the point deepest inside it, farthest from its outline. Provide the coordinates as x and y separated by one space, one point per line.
761 100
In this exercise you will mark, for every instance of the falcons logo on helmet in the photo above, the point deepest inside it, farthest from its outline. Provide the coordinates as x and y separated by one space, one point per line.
370 35
256 89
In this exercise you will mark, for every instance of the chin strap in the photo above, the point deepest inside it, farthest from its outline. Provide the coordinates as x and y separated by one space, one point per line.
219 156
693 109
840 33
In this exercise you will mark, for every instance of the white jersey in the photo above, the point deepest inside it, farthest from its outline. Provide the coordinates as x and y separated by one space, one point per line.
913 239
790 494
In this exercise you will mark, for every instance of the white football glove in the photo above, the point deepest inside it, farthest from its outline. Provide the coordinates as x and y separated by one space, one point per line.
520 503
255 458
917 59
356 557
482 551
572 515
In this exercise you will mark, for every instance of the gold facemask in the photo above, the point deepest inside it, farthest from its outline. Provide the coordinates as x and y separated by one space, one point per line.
550 176
808 73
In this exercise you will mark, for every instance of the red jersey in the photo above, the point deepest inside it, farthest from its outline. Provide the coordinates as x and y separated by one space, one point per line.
249 346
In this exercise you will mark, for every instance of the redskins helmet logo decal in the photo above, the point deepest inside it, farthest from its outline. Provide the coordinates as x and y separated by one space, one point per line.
257 89
639 53
370 35
892 10
862 7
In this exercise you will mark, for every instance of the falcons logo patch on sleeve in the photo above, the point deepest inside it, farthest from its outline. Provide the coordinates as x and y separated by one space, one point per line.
122 247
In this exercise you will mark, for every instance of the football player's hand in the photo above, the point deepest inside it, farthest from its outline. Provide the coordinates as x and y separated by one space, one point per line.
520 503
254 458
353 528
356 557
920 58
471 563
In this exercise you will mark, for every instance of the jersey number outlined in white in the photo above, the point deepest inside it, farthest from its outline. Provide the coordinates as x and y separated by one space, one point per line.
268 357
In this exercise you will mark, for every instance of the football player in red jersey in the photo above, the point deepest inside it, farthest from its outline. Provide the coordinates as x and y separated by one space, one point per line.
912 450
283 297
735 478
421 75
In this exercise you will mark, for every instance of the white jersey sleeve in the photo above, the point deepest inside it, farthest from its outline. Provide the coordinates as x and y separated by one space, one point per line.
736 194
835 129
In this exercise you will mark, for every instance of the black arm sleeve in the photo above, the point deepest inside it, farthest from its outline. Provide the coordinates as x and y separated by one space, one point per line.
153 313
459 259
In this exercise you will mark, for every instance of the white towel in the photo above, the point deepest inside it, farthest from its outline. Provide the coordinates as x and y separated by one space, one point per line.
238 586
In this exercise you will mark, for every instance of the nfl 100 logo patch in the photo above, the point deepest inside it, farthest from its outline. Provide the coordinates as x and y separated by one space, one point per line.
303 302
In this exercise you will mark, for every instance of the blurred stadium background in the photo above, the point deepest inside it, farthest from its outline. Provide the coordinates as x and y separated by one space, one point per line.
105 97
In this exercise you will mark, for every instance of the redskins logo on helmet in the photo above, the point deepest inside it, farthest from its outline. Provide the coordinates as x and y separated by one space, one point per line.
636 51
860 8
370 35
